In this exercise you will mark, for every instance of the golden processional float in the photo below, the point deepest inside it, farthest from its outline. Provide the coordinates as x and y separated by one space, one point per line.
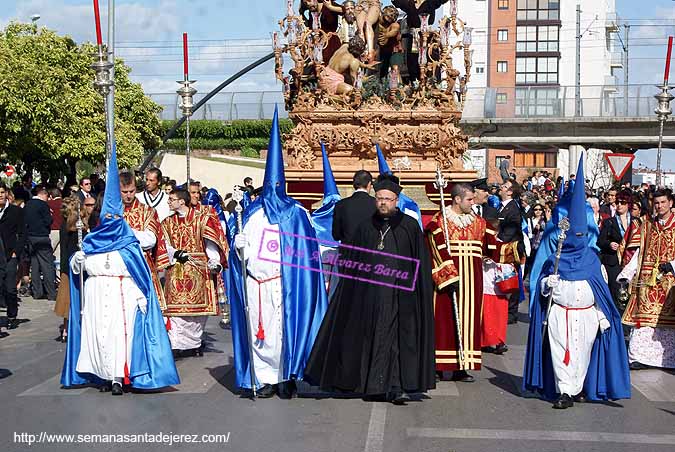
416 124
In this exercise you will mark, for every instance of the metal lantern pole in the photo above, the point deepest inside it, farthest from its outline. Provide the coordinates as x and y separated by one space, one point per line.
186 93
104 81
663 110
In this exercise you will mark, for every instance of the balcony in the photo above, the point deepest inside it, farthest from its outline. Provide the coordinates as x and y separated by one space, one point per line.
611 81
612 23
616 60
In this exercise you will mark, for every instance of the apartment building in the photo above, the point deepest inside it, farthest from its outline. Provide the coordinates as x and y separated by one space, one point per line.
524 65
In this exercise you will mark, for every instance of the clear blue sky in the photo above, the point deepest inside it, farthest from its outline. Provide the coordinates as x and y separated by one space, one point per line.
226 35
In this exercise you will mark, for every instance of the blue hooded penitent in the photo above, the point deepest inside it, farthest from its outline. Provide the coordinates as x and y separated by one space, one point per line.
405 204
212 198
561 189
608 375
152 363
322 218
303 291
549 239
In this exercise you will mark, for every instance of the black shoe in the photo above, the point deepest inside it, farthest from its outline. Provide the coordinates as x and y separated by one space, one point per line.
267 391
12 323
287 390
463 376
105 387
488 349
563 402
512 321
117 389
580 398
399 398
501 349
245 393
636 365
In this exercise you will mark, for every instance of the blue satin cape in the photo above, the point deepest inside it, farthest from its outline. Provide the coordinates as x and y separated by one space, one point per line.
303 291
152 363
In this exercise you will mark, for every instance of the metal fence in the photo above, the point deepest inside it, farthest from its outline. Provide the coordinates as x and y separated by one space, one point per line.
504 102
225 106
611 101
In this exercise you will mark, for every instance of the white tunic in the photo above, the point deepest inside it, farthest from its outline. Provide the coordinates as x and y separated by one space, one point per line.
264 298
572 329
110 305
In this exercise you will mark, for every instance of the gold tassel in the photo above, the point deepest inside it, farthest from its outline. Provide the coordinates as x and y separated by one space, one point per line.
178 271
654 277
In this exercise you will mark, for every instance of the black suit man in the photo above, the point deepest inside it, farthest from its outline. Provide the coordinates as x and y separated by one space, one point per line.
12 238
612 233
350 212
511 231
38 221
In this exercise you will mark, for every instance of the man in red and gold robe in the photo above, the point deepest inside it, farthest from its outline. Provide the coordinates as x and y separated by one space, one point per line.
197 249
651 308
458 274
144 221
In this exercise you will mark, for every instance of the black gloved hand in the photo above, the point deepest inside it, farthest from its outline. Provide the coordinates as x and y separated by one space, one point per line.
215 270
666 268
181 256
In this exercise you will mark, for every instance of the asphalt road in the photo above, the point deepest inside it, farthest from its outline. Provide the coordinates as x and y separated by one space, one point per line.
205 413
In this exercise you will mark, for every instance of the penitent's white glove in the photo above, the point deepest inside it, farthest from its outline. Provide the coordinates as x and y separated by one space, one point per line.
240 241
604 324
553 281
77 262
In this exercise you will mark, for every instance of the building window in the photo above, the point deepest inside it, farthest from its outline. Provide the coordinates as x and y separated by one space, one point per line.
536 159
502 35
535 101
480 69
502 66
536 70
538 10
533 38
502 98
503 4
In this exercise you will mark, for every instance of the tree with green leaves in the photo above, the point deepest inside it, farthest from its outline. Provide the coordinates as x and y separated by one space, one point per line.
50 114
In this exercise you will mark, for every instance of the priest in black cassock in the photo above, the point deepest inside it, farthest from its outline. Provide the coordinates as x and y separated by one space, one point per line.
377 338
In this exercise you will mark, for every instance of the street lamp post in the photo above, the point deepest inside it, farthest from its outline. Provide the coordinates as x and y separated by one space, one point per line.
34 18
663 110
186 93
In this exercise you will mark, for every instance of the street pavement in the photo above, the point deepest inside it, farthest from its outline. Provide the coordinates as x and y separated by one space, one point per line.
488 415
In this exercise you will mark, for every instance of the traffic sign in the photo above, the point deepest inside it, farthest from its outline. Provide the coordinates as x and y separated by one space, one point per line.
619 163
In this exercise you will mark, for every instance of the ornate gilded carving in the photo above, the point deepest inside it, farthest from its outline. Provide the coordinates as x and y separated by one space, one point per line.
418 121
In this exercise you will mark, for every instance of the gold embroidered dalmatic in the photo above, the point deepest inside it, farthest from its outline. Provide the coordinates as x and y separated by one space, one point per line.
144 218
652 301
457 270
190 290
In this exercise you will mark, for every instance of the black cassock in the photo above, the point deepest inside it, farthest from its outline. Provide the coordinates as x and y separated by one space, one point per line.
377 339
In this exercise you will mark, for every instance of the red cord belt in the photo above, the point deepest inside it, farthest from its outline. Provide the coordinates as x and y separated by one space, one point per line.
566 359
260 335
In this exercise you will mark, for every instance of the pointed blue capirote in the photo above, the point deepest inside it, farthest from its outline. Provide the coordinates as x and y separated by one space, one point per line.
322 218
382 165
276 202
577 211
608 374
329 185
303 291
405 203
152 364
